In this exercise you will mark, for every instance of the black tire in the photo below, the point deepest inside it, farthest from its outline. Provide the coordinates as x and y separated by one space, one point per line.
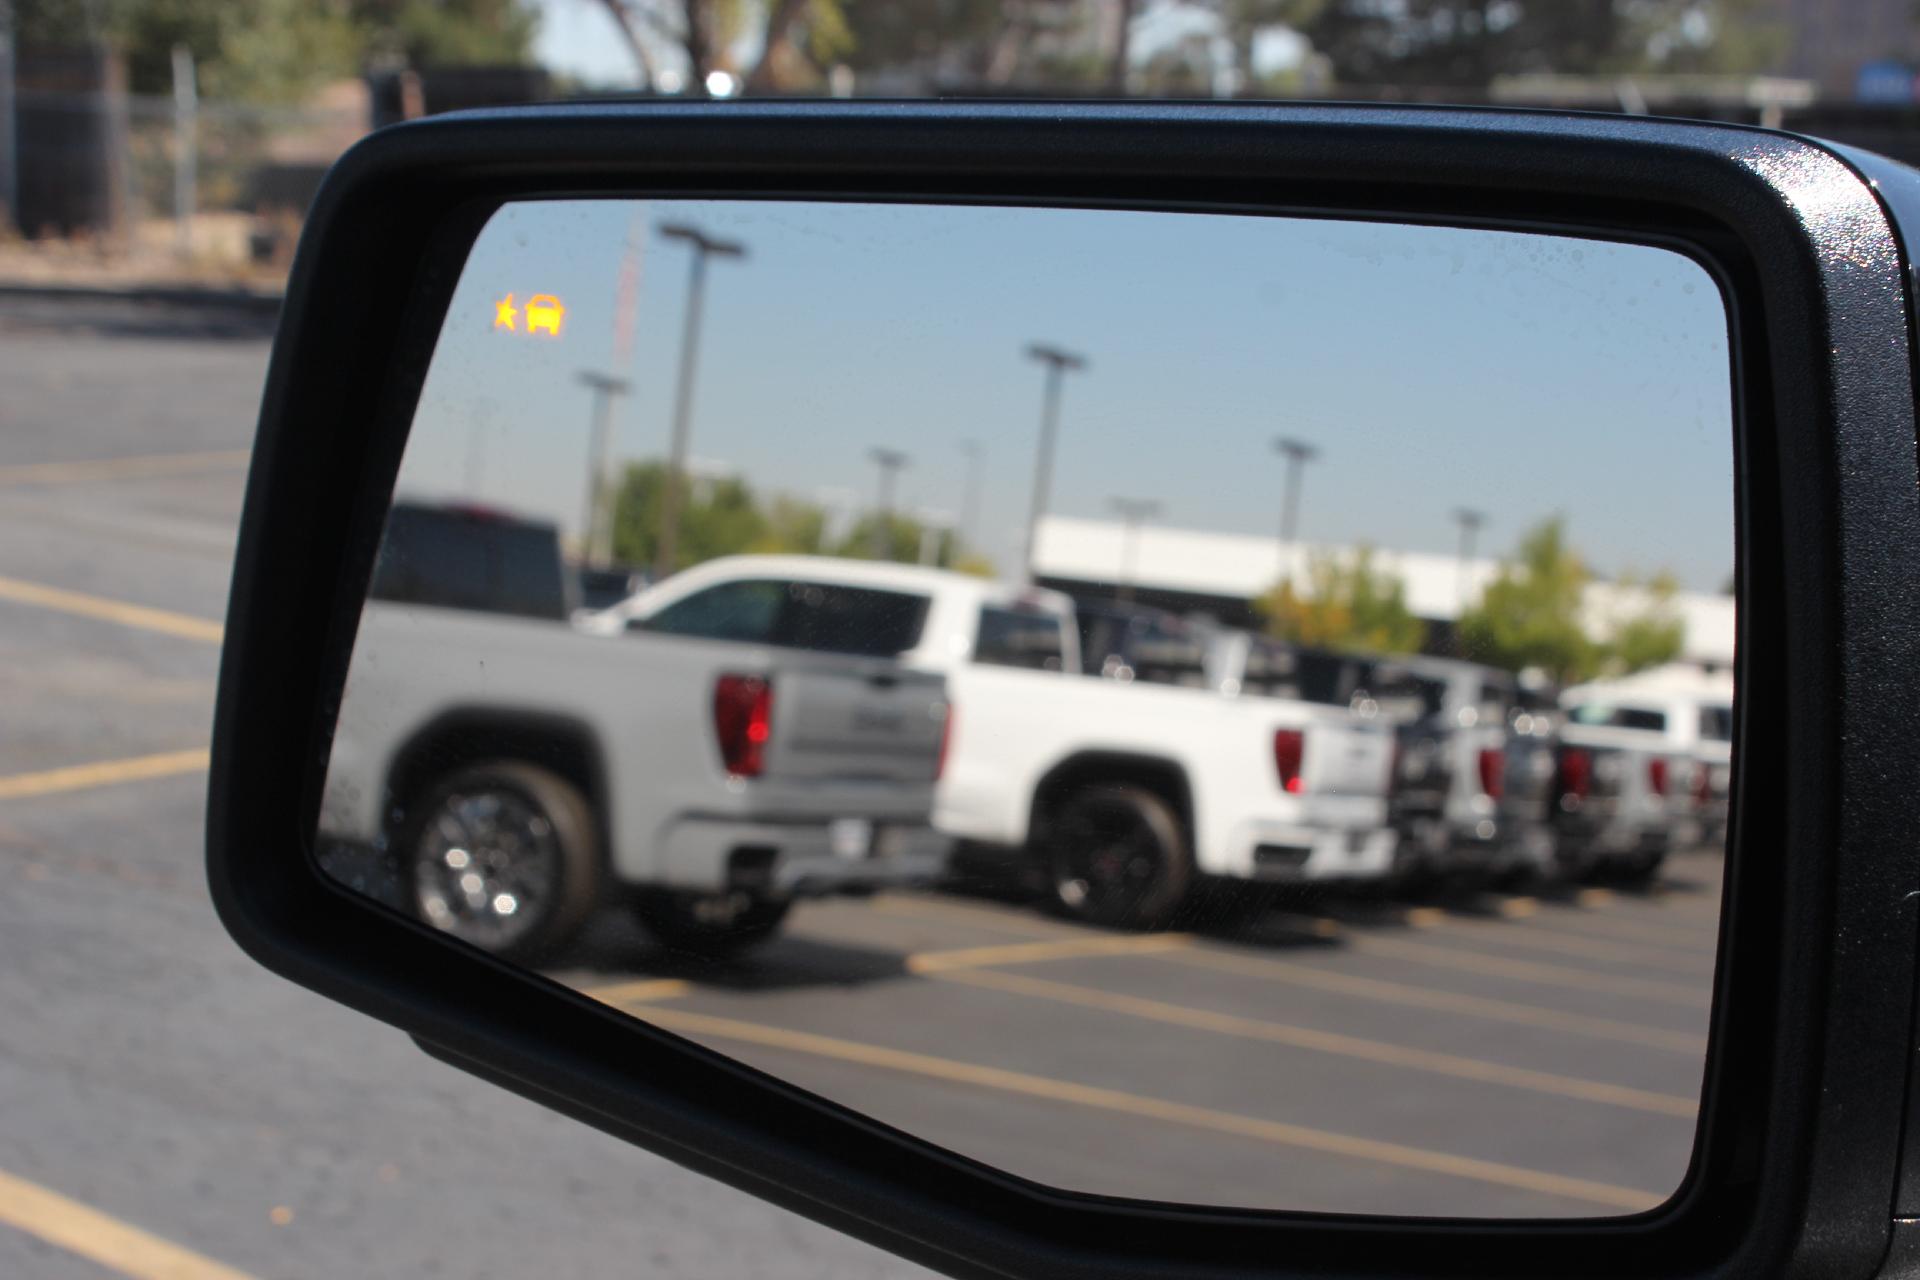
710 924
1118 856
524 832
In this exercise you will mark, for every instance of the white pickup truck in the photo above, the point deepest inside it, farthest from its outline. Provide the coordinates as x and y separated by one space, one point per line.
1124 794
515 774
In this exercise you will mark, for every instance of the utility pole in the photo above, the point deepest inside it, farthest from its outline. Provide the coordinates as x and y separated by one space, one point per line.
1132 512
1058 362
186 112
1470 522
969 529
604 387
672 494
1298 454
890 462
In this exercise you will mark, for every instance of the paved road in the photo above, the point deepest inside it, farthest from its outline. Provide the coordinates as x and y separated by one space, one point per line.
1525 1056
148 1070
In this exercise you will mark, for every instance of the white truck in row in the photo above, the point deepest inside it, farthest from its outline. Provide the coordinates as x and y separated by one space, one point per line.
502 775
1124 797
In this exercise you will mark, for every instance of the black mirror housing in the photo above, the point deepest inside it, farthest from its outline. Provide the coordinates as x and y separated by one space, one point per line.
1797 1163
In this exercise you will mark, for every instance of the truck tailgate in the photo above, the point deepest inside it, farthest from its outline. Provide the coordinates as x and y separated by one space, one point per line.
855 723
1347 759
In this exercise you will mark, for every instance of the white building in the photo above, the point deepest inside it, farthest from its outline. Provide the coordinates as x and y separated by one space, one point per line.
1222 572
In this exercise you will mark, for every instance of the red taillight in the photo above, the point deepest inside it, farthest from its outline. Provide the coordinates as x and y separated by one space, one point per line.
1493 772
1702 784
1289 750
1657 775
946 741
743 721
1576 773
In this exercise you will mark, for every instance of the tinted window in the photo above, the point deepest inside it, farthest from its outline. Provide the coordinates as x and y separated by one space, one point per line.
1716 724
854 620
461 560
1018 638
1272 671
1600 713
730 611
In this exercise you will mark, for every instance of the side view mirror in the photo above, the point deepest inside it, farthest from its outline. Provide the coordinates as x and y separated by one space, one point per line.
1250 1005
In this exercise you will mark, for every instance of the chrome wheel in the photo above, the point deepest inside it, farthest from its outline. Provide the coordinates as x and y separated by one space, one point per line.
486 866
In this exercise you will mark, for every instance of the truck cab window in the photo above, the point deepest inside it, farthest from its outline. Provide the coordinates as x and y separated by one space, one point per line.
742 611
1015 638
849 620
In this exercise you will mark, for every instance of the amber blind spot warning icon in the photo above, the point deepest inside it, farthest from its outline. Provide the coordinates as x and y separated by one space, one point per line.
543 313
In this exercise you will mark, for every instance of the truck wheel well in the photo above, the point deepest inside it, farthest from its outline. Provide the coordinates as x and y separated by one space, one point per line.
458 739
1162 777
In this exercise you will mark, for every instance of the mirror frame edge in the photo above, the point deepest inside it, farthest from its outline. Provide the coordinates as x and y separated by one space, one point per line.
1768 197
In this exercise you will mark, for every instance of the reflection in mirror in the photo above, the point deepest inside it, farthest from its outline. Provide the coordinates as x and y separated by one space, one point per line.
1217 709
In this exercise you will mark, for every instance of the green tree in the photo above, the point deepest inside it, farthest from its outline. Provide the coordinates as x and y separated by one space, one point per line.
718 518
1651 635
278 50
795 39
1529 615
792 526
1346 604
901 540
1467 43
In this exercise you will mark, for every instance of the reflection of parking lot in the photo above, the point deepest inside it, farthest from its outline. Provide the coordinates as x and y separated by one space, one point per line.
1501 1056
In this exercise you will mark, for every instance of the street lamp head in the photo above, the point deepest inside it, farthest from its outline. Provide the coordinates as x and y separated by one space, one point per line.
1469 518
1059 357
701 242
892 459
1296 450
604 382
1134 510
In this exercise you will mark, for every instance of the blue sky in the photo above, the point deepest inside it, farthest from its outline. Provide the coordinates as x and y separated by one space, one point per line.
1436 368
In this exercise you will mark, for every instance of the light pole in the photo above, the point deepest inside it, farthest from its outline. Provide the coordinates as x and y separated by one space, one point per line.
703 246
1132 512
1298 454
890 462
1470 522
970 494
605 387
1058 362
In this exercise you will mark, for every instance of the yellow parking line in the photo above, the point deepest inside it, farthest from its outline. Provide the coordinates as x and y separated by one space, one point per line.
1698 995
141 467
646 989
1513 933
1701 940
1029 952
101 773
1629 1199
1019 921
1392 1055
1434 1000
109 1242
127 615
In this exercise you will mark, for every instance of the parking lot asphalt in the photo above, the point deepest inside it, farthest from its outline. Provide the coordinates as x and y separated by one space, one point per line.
1497 1055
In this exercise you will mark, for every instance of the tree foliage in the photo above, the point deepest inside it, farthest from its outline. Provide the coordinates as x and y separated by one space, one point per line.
278 50
1530 614
726 517
1651 635
717 518
1467 43
1346 604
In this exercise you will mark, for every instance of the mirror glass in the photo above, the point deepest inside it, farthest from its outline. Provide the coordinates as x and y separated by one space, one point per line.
1218 709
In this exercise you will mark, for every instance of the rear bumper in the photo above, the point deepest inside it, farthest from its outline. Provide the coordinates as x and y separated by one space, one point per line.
1489 846
1296 853
1581 844
798 859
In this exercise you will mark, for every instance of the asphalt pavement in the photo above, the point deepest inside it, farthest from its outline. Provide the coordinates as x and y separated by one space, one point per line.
1497 1055
166 1103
